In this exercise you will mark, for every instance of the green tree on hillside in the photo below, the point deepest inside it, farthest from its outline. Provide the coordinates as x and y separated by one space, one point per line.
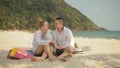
23 14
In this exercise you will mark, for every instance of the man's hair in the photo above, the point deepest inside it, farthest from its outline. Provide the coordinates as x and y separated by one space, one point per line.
61 20
41 22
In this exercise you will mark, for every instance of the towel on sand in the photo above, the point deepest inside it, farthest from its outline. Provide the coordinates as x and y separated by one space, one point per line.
19 53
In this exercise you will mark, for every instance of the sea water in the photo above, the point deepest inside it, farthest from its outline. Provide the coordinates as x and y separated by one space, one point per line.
98 34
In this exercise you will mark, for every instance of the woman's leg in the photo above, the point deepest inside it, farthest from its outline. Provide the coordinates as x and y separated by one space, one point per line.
39 51
45 51
49 51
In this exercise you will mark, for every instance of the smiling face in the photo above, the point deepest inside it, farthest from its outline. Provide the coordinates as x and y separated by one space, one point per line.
45 26
58 24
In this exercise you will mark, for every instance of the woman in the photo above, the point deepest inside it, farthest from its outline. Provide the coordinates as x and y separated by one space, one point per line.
41 42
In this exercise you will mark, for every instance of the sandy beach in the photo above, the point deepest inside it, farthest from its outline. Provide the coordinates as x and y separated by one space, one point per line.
97 52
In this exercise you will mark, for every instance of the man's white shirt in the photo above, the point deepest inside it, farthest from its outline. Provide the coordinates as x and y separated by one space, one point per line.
65 38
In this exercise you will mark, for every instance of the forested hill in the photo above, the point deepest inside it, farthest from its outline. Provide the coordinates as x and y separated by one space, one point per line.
23 14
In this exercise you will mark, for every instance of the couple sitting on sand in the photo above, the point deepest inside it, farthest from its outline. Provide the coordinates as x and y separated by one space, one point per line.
55 45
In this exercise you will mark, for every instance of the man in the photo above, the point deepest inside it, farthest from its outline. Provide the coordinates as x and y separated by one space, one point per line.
41 42
64 40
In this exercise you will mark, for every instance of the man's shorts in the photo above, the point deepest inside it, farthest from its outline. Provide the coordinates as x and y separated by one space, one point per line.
59 51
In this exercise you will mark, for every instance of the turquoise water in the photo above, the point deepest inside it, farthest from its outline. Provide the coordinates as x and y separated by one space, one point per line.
98 34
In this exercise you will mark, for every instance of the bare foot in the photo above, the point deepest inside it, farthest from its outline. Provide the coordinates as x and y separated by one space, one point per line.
33 58
52 57
62 59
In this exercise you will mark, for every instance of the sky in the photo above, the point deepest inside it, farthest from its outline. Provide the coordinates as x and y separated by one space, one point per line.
104 13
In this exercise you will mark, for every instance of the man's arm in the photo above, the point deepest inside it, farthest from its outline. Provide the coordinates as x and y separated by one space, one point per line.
69 39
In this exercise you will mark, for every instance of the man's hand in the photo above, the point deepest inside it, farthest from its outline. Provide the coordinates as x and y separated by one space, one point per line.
69 50
60 47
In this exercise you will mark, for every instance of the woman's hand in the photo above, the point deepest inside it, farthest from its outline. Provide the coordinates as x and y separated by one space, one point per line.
52 43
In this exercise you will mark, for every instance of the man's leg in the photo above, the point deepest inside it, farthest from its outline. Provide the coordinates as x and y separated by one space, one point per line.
62 56
65 53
